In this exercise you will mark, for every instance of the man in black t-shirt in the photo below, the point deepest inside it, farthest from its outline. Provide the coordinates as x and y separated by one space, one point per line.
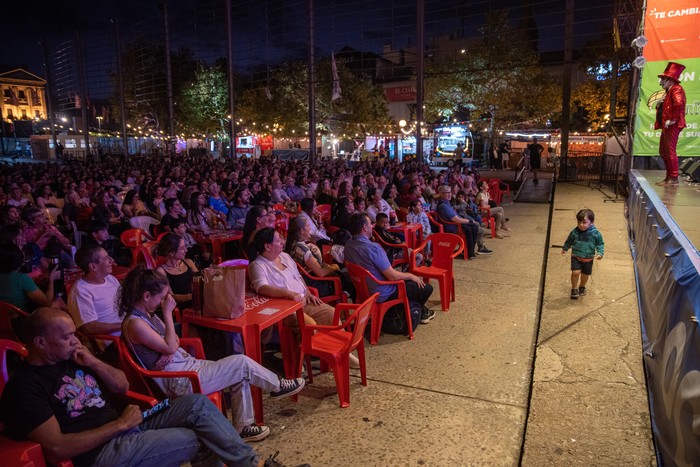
57 398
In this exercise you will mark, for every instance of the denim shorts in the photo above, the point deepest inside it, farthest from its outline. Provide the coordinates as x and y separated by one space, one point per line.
586 267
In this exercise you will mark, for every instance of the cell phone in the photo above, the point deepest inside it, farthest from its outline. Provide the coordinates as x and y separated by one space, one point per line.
159 407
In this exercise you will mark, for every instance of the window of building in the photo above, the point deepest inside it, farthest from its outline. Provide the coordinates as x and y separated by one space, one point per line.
9 114
7 93
24 113
22 95
37 114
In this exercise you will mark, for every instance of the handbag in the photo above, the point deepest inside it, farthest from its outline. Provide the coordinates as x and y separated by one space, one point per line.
224 290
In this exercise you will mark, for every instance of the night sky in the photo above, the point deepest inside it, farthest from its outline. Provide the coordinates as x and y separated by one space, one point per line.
270 30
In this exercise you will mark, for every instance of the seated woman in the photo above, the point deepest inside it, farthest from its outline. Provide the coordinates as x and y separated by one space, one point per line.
107 212
18 288
156 346
200 218
38 233
274 274
300 247
483 200
45 197
343 210
257 218
178 269
133 206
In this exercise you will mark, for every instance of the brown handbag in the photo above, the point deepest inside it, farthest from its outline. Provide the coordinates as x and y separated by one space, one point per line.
224 291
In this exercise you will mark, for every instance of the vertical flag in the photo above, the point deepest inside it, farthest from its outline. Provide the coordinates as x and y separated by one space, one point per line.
335 95
35 97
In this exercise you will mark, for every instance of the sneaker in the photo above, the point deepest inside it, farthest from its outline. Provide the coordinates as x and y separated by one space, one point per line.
252 433
484 251
426 316
273 462
662 182
499 234
288 387
581 291
574 294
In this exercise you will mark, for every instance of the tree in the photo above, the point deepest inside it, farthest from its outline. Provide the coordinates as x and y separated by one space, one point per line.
498 75
203 103
590 103
280 106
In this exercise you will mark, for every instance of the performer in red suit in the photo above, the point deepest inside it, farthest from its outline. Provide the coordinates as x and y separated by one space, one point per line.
670 119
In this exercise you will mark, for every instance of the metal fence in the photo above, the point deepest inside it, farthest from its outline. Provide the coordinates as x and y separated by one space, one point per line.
603 169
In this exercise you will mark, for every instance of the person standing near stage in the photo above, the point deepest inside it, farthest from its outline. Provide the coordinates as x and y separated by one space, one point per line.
535 158
670 119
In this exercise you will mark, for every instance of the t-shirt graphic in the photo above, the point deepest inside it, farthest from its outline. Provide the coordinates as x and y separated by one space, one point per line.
78 393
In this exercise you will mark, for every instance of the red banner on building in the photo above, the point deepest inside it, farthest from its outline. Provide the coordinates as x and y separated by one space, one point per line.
400 94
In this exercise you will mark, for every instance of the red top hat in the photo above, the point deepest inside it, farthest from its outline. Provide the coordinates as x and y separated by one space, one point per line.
673 71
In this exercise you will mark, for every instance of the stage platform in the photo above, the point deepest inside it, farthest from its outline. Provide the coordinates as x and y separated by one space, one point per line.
682 202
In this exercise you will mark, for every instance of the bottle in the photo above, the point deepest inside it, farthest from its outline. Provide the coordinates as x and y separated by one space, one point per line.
58 284
197 293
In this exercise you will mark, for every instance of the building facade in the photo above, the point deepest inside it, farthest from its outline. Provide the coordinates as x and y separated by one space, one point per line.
23 96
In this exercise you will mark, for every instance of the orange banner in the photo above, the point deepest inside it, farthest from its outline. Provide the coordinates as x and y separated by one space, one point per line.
672 29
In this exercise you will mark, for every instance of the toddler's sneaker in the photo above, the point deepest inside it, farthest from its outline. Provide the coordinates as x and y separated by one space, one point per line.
574 294
254 433
288 387
582 291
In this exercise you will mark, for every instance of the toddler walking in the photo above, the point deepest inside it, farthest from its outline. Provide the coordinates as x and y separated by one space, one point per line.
586 243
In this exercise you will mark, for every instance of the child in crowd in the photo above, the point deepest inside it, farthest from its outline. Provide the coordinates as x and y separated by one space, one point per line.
416 215
360 204
460 204
586 243
381 228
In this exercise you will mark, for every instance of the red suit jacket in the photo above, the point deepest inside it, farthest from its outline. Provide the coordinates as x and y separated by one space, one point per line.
673 107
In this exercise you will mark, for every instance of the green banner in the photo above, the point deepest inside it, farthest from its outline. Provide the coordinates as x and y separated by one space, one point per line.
646 139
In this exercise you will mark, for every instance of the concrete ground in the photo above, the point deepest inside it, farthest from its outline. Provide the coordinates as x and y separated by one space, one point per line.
499 379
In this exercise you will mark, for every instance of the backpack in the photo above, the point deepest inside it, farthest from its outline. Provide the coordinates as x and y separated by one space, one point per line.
395 319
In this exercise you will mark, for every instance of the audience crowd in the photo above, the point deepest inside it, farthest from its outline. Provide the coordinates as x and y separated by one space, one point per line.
300 223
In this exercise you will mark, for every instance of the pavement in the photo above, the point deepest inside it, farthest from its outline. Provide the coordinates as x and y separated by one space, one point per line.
515 373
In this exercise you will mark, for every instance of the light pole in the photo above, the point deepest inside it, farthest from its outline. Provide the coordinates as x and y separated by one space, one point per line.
99 124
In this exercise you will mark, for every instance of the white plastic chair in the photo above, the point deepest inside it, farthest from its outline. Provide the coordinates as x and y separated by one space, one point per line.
144 223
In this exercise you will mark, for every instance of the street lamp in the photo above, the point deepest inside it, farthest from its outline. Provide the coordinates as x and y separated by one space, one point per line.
99 124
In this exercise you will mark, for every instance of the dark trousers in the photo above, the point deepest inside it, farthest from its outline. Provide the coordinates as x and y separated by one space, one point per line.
415 293
471 231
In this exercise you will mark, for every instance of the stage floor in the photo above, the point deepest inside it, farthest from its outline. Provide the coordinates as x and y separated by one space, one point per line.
682 201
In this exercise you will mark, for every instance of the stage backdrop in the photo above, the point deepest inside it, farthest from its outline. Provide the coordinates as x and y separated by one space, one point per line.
672 29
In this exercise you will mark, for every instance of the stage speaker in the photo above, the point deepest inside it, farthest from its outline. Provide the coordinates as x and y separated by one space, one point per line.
686 164
694 171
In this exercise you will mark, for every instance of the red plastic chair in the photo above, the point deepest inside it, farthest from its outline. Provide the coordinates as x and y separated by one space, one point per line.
460 231
490 220
446 247
333 344
5 346
401 214
336 296
8 312
360 276
398 260
142 254
133 238
325 210
140 379
432 217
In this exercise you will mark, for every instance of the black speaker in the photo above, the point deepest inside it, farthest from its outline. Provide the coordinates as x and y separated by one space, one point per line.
694 171
685 165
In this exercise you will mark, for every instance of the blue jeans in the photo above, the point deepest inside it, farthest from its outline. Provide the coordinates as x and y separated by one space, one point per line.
192 429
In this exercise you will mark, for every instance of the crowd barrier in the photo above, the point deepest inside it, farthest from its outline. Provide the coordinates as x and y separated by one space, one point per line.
604 169
667 271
